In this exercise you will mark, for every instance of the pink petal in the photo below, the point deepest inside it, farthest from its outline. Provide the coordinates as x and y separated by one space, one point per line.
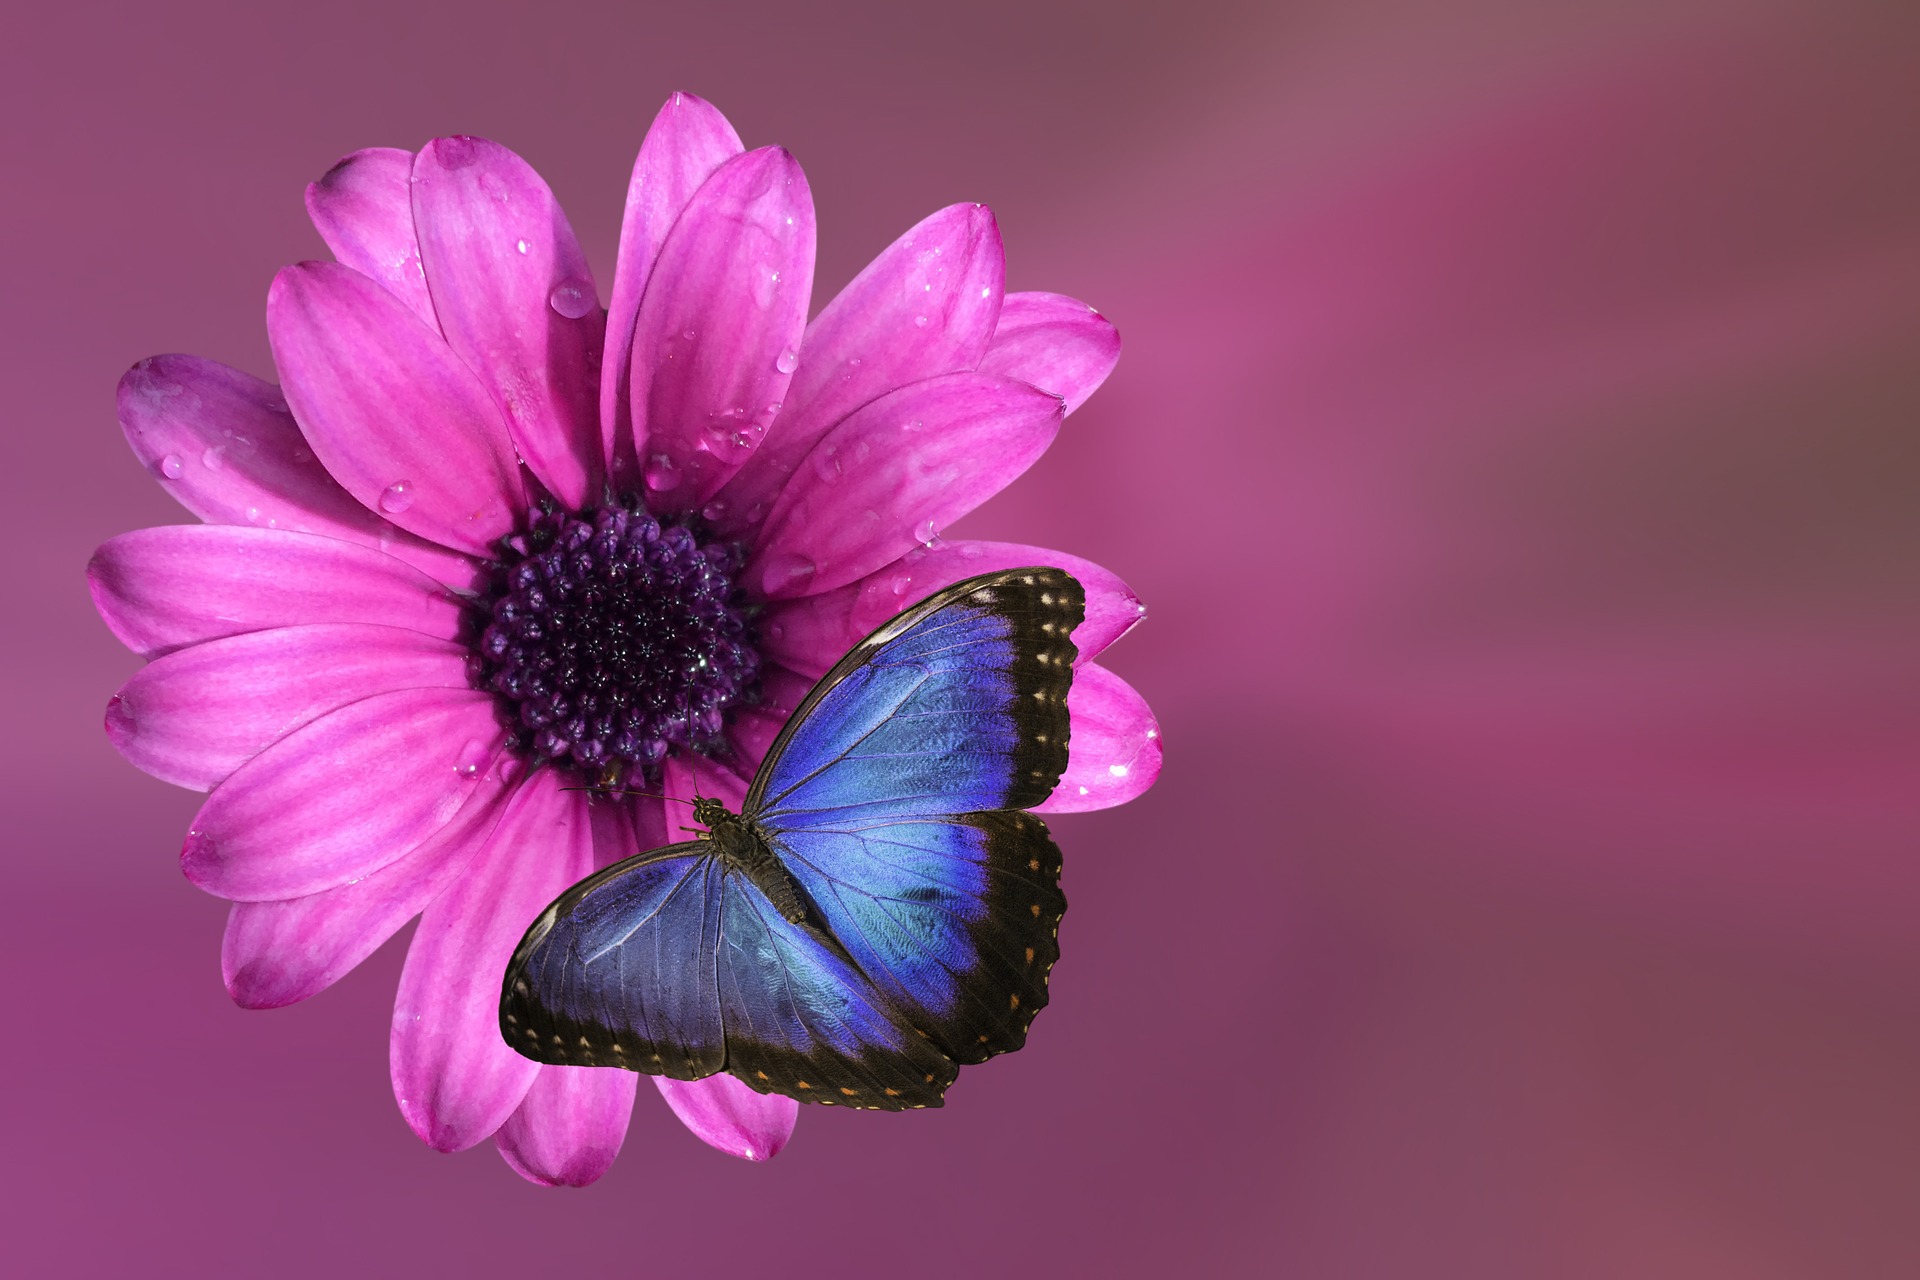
1114 752
1057 343
811 634
894 474
516 299
193 717
159 589
343 796
723 313
224 444
391 411
363 209
454 1077
281 951
729 1117
751 730
569 1127
688 141
924 307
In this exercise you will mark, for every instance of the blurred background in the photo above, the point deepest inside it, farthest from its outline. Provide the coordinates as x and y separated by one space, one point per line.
1517 442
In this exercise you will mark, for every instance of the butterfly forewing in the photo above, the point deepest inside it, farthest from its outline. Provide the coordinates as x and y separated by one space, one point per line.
621 972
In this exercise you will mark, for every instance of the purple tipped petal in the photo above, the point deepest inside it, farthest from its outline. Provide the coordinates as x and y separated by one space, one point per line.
688 141
174 585
363 209
723 313
924 307
1057 343
282 951
517 302
454 1077
1114 752
811 634
342 797
894 474
569 1127
729 1117
224 444
391 411
193 717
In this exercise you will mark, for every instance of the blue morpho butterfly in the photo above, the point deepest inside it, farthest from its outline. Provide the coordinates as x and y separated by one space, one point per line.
879 914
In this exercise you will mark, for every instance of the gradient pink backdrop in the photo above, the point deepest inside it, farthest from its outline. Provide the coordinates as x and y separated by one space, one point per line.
1518 442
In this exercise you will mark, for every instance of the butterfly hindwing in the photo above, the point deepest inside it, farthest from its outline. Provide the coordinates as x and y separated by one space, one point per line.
955 921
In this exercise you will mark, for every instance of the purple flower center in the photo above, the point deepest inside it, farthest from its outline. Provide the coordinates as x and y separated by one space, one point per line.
613 640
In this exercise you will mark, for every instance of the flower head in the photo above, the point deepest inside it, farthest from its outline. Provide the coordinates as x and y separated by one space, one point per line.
490 552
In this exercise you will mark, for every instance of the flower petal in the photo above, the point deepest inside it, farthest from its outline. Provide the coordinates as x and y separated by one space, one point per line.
568 1129
1114 752
516 299
688 141
454 1076
895 473
284 950
729 1117
343 796
363 209
685 777
924 307
225 446
174 585
751 730
391 411
812 633
722 315
1057 343
193 717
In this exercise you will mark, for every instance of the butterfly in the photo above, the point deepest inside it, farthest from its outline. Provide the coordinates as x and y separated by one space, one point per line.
879 914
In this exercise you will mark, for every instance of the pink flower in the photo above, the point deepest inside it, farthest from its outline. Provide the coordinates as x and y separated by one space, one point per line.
485 525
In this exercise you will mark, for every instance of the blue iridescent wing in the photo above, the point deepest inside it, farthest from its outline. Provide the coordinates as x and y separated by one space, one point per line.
673 964
893 795
621 970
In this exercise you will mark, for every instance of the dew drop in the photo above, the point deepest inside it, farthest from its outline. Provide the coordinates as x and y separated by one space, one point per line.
572 298
773 408
920 322
214 459
473 758
925 534
714 510
253 515
397 497
826 462
787 361
171 466
521 246
661 474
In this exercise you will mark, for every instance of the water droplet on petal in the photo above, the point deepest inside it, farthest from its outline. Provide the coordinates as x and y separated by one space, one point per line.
714 510
171 466
253 515
787 361
920 322
214 458
925 534
900 583
773 408
397 497
521 246
661 474
826 462
572 298
473 758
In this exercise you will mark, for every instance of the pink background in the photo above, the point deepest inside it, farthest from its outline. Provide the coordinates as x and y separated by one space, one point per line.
1516 443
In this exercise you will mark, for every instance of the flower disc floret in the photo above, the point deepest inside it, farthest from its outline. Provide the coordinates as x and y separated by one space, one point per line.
612 640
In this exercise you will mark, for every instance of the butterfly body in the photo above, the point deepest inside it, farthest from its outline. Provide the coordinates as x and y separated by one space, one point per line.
880 913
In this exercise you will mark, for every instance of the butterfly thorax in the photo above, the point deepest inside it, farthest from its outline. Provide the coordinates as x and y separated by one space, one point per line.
744 850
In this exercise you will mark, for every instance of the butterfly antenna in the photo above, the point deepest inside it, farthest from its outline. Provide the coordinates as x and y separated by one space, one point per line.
628 791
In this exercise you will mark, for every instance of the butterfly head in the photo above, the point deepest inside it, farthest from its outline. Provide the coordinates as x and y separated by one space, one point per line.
710 813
